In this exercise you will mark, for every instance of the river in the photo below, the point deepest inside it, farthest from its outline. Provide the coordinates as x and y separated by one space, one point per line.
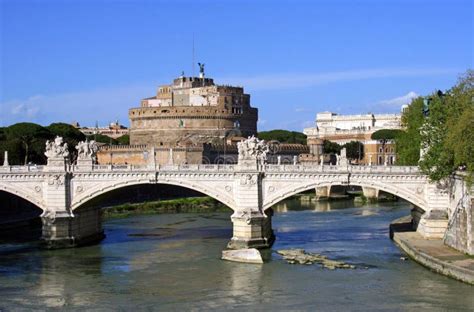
171 262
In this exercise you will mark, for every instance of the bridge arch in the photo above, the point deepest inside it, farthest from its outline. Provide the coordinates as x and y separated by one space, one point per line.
289 191
80 200
24 193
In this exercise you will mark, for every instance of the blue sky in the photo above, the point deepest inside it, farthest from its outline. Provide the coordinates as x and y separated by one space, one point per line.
91 61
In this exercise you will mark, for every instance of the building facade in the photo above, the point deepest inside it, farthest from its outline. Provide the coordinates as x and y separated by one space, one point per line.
114 130
343 129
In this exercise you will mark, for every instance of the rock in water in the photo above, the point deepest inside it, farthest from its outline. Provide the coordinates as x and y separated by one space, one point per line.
300 256
250 255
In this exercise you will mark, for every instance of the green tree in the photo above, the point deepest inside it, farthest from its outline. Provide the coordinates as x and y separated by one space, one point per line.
123 140
464 152
32 138
385 134
15 153
354 150
446 134
408 141
102 139
283 136
331 147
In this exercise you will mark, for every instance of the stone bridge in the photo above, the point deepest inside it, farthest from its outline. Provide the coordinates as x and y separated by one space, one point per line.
250 188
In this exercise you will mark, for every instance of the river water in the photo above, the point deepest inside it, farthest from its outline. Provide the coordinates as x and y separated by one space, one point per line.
171 262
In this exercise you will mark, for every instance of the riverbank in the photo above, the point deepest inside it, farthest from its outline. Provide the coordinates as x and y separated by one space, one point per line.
432 254
178 205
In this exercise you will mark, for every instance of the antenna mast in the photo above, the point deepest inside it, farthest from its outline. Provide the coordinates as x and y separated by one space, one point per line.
193 54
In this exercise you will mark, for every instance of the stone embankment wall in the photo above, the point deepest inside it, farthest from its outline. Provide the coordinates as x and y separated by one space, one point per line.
141 154
459 233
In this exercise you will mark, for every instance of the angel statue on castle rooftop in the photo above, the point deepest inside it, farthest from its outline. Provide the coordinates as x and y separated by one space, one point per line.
201 68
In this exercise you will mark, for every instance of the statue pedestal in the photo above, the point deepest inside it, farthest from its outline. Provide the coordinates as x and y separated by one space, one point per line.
85 164
248 164
56 164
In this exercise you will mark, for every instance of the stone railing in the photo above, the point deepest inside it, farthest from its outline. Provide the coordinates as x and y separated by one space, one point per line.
197 168
180 168
348 169
226 168
26 168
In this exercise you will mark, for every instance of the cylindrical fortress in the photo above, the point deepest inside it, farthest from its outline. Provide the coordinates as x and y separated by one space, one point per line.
192 111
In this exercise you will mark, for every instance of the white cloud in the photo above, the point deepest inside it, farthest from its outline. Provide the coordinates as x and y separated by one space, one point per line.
294 80
302 110
401 100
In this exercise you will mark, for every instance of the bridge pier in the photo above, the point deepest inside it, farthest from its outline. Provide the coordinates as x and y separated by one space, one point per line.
252 230
370 192
63 229
323 192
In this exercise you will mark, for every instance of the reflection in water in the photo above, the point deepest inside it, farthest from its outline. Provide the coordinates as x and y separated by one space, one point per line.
301 203
171 262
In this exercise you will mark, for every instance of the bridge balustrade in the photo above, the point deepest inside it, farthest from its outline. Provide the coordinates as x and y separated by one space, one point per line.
27 168
227 168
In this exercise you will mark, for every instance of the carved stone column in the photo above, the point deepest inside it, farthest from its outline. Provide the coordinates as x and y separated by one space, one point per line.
5 159
61 227
252 227
252 230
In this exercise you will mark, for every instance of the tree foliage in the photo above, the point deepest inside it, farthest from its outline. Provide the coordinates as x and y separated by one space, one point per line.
102 139
25 142
385 134
447 132
354 150
283 136
331 147
408 141
123 140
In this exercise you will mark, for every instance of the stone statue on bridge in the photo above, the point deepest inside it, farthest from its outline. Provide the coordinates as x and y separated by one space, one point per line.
342 159
87 150
56 148
252 150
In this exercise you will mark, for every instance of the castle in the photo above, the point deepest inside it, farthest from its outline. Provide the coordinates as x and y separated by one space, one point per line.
191 111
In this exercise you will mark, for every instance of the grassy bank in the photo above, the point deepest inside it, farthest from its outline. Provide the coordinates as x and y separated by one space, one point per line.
178 205
381 199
